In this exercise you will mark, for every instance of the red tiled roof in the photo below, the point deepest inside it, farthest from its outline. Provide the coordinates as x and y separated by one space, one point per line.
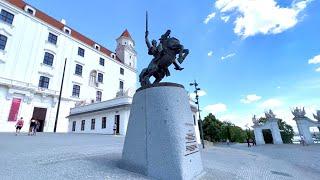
126 34
57 24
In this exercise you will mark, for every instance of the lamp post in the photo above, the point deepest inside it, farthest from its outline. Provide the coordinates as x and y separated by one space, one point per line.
195 84
59 100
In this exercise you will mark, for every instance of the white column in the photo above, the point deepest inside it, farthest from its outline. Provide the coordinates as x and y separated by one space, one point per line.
276 135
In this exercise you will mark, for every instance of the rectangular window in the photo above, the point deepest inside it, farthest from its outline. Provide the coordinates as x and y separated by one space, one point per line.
194 120
93 124
15 106
104 123
98 96
74 125
100 77
44 82
101 61
48 59
6 16
3 41
121 85
78 70
76 91
83 123
52 38
81 52
121 71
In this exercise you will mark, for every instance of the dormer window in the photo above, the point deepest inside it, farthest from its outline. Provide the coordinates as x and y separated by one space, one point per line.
67 30
97 47
30 10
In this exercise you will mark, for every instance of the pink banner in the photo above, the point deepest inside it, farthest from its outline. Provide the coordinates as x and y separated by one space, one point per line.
15 106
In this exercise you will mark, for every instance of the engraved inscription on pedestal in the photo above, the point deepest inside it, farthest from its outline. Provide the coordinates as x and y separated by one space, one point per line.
191 141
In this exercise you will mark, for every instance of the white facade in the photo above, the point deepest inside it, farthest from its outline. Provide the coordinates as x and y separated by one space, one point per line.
111 110
22 64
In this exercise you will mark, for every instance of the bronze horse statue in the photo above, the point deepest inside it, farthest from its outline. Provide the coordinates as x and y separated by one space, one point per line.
164 55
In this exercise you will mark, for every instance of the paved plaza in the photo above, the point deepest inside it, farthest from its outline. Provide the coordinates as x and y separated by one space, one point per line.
85 156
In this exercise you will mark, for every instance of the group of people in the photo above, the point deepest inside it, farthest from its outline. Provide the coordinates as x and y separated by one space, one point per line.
34 126
249 141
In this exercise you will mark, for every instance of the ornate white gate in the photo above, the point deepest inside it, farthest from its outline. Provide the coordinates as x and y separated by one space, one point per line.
272 124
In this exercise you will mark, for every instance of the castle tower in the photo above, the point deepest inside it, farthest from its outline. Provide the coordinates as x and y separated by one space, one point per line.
125 49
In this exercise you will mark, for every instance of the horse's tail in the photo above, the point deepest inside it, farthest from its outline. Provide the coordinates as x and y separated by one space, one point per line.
142 74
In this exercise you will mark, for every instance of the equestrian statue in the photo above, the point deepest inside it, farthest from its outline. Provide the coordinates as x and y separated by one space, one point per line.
164 54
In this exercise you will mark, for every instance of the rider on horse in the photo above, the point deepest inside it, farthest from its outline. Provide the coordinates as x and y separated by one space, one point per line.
164 54
158 51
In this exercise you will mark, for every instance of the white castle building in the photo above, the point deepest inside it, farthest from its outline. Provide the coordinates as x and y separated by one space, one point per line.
33 49
98 83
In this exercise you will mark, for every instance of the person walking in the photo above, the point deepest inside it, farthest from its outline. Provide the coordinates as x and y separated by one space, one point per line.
303 142
32 125
254 142
35 127
248 141
19 125
115 129
228 142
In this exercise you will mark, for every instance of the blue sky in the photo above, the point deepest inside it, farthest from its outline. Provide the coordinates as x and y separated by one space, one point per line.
248 56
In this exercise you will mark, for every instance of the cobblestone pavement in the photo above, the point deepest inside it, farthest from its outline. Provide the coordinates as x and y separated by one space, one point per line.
81 156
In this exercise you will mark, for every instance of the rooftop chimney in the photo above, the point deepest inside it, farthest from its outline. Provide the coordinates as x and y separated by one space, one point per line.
63 21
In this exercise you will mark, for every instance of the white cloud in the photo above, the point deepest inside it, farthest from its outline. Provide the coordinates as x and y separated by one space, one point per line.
228 56
209 17
315 60
318 69
261 17
278 87
200 93
225 18
250 99
271 103
216 108
210 53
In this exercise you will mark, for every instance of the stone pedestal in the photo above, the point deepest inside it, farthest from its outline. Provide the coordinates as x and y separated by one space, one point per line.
160 140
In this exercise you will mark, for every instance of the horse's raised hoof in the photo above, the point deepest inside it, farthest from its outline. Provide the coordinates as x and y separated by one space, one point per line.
179 69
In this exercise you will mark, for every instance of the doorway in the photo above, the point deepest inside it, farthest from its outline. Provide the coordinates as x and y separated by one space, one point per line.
117 122
267 136
39 114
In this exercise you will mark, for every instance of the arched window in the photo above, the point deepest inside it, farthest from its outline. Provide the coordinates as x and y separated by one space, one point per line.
92 78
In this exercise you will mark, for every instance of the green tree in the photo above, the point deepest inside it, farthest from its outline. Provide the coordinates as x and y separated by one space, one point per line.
212 128
286 131
216 131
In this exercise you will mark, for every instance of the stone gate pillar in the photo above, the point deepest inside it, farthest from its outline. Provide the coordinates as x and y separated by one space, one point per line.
258 135
276 135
